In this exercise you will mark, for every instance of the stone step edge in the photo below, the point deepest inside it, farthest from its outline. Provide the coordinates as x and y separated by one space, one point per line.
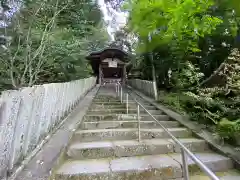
126 115
231 174
118 109
119 102
172 162
112 144
103 118
129 148
126 124
121 105
126 121
128 130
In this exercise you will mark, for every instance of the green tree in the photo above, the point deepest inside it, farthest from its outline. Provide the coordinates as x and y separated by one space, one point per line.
179 23
49 42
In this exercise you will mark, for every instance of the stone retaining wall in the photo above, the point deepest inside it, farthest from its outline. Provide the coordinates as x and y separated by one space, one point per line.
28 115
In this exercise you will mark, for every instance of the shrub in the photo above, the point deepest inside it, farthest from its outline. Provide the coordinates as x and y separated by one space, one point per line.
213 112
229 130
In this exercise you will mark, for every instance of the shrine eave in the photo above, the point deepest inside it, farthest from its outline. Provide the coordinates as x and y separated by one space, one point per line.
108 53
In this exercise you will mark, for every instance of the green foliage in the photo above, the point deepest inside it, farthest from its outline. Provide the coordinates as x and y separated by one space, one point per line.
229 130
200 32
122 40
50 40
205 109
187 77
179 23
173 100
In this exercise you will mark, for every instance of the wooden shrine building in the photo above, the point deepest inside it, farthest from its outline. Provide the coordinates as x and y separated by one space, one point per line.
109 65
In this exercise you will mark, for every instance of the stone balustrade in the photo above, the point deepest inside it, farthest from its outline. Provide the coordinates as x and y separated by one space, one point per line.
146 87
28 115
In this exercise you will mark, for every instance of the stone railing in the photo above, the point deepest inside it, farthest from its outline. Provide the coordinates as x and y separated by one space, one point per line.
146 87
29 115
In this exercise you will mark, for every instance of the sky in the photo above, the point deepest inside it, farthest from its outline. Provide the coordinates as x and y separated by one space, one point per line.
14 7
114 19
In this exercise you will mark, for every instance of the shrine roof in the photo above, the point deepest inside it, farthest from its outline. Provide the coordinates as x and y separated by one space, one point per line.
108 53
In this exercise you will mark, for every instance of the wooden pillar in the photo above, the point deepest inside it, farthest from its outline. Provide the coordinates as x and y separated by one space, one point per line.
100 74
124 75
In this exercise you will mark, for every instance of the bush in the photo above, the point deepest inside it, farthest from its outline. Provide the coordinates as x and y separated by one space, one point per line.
188 78
173 101
229 130
213 112
203 109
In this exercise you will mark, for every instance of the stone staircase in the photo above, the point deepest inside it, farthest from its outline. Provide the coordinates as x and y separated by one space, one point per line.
106 147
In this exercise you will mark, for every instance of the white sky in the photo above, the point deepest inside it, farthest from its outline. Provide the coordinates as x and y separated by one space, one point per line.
113 18
15 6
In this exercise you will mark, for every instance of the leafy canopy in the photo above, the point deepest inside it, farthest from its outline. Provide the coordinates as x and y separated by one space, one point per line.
180 22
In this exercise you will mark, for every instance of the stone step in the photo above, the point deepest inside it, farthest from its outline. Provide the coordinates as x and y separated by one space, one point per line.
127 124
225 175
142 111
134 106
126 134
118 103
105 106
107 111
106 100
123 106
222 163
153 167
110 117
127 148
123 111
